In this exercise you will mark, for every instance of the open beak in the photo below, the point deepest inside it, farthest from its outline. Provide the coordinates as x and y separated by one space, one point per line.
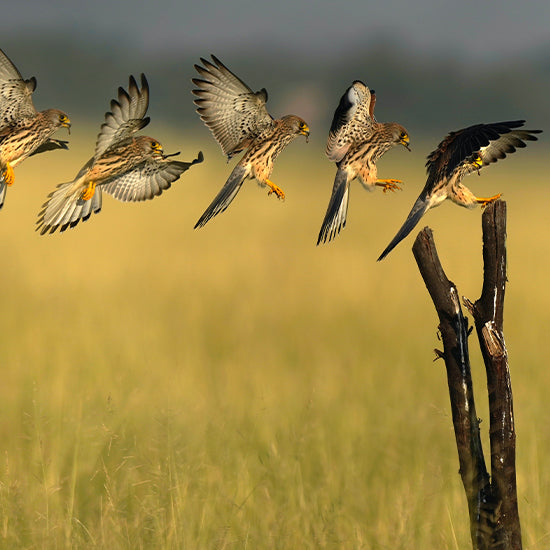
67 124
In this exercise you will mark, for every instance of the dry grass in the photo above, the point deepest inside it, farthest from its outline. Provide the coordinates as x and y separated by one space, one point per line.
239 387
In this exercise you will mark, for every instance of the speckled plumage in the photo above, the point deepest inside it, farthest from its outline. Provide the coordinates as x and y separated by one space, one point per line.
355 143
239 121
459 154
23 130
127 167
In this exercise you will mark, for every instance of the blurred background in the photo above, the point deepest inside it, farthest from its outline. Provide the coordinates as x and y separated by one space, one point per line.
436 66
237 386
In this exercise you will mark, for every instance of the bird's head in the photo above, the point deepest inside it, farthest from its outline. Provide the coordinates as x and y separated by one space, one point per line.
303 129
153 147
401 136
58 119
296 125
476 161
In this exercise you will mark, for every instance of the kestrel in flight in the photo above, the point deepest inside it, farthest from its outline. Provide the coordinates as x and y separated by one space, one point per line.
125 166
238 119
355 143
23 130
459 154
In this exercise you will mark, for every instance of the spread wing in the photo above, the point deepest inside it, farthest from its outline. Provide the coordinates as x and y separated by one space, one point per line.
15 93
127 115
491 141
148 179
353 120
50 145
234 113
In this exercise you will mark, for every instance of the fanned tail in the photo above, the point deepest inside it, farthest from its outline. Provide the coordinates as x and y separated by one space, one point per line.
65 208
225 196
337 210
418 210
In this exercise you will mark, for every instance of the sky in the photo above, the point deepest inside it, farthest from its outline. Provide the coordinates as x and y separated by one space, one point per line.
478 32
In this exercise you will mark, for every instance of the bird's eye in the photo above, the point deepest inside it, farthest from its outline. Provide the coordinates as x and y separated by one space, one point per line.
403 135
154 145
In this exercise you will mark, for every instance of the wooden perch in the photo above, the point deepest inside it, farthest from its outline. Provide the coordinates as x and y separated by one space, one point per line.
492 503
488 313
453 327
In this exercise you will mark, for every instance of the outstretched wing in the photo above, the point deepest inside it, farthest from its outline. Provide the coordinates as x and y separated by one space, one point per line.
458 155
491 141
15 93
352 122
148 179
127 115
234 113
50 145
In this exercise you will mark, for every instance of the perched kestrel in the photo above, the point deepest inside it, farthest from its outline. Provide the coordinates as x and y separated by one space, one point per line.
127 167
23 130
238 119
355 142
459 154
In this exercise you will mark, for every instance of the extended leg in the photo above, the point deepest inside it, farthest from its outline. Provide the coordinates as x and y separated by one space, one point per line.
485 202
88 193
9 176
275 189
389 185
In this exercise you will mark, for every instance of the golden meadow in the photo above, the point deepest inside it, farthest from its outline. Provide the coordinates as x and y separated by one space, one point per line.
239 387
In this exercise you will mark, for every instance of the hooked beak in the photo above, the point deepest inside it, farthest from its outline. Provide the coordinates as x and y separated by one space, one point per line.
66 124
478 163
305 132
157 149
405 142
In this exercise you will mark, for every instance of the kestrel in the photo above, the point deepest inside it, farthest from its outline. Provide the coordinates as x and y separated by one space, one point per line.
355 143
238 119
459 154
127 167
23 130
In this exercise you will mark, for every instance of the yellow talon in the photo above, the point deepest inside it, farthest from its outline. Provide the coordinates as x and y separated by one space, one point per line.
275 189
9 176
88 193
389 185
485 202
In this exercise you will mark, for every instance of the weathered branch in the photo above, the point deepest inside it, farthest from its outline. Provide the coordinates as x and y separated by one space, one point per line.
488 314
494 518
454 334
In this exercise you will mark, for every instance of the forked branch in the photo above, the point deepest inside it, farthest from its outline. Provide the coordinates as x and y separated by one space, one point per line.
492 504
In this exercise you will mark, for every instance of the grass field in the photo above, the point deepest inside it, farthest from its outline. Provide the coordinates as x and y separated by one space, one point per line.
239 387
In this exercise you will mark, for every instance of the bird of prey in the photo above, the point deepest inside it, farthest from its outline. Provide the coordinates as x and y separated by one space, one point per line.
355 143
459 154
125 166
23 130
239 121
